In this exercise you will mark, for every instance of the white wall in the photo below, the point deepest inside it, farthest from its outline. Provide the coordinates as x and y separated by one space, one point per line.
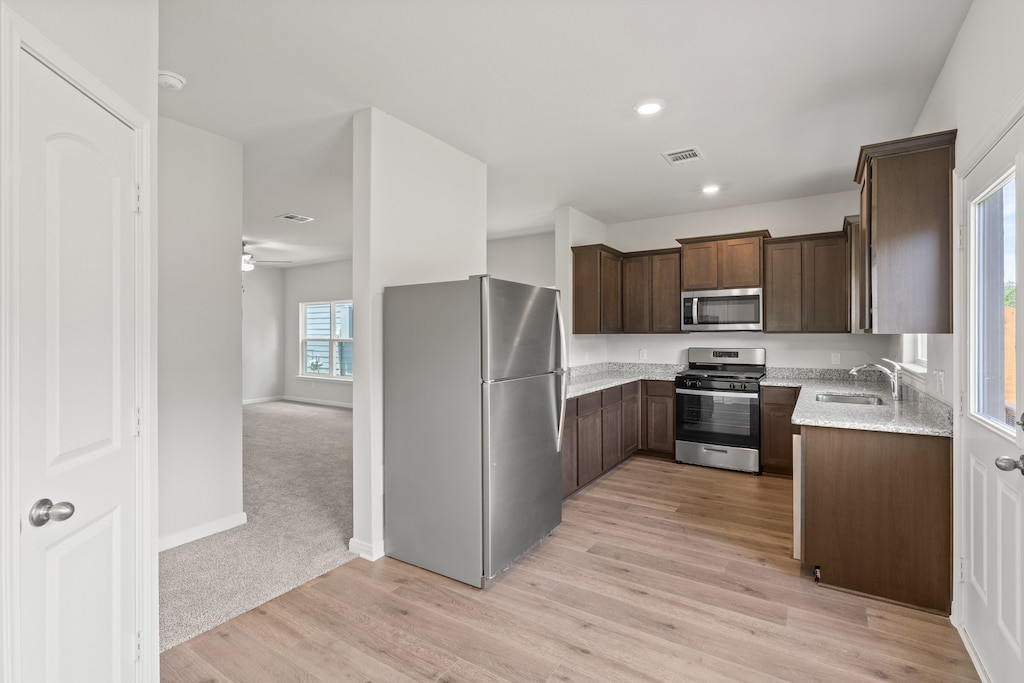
263 334
573 227
419 215
321 282
822 213
982 78
200 333
529 259
116 41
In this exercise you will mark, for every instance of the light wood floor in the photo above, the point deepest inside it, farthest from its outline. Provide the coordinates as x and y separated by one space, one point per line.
659 572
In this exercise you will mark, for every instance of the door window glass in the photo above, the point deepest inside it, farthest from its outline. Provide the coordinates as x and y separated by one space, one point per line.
995 272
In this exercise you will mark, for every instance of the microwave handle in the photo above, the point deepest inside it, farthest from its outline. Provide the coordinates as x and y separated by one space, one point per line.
696 320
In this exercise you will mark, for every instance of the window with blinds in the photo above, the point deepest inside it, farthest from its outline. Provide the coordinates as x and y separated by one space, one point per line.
326 340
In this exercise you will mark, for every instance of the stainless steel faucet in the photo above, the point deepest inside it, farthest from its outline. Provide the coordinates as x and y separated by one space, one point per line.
894 375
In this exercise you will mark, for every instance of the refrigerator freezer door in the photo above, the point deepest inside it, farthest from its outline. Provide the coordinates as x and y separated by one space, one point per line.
522 481
520 329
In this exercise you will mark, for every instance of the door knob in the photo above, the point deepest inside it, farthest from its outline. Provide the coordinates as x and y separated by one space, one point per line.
1020 421
1008 464
45 509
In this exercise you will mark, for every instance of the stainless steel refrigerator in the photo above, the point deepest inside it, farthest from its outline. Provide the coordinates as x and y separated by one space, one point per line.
474 399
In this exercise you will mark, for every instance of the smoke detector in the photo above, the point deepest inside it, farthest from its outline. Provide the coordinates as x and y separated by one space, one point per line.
682 156
171 80
295 218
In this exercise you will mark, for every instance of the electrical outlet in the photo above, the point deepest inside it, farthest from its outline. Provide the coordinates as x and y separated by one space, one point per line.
643 354
837 358
940 381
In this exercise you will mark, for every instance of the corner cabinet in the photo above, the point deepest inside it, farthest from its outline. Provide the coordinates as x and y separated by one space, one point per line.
602 429
777 404
650 291
726 262
807 283
907 228
596 289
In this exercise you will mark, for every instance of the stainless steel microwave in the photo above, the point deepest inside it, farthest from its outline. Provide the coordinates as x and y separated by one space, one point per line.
722 310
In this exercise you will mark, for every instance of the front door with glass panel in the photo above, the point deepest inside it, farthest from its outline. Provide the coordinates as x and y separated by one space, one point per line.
992 499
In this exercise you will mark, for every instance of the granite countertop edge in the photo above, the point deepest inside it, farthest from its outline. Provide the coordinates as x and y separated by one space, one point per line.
917 414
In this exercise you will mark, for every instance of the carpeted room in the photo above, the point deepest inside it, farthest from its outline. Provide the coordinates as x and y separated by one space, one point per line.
297 490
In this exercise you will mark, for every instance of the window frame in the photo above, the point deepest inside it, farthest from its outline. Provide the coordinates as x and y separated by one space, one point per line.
332 341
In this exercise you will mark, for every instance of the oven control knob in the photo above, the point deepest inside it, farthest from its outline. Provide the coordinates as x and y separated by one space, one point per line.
732 385
696 383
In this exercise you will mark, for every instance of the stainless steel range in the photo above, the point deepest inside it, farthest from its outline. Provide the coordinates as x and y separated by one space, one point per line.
718 409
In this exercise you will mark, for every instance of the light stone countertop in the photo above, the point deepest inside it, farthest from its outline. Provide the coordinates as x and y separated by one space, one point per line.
584 380
916 414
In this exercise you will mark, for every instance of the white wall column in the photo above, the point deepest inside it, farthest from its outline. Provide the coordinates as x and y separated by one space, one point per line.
419 215
573 228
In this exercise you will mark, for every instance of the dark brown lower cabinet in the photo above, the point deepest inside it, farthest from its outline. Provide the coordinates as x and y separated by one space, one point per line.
777 405
611 427
630 419
601 430
659 416
570 471
588 438
878 513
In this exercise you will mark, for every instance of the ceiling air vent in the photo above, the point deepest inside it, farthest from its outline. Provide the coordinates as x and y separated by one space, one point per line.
683 156
294 217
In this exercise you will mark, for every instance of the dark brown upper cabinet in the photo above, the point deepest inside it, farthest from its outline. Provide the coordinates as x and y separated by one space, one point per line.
906 219
807 283
726 262
596 289
650 291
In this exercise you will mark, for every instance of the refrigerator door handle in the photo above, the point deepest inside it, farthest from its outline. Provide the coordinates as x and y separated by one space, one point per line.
562 371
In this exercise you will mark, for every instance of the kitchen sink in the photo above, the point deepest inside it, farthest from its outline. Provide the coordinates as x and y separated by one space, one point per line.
857 399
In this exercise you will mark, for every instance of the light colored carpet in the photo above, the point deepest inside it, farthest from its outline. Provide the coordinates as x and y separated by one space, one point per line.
297 487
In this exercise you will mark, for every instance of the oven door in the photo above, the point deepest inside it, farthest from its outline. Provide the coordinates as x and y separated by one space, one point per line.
723 418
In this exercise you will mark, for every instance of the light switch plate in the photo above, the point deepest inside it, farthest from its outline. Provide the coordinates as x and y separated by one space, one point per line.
643 354
837 358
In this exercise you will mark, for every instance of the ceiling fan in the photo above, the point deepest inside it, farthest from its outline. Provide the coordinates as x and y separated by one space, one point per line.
249 261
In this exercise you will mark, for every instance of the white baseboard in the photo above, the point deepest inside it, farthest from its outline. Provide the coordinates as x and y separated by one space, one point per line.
266 399
317 401
975 659
202 531
365 550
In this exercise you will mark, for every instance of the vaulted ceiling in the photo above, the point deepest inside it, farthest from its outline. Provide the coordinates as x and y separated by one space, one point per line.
777 95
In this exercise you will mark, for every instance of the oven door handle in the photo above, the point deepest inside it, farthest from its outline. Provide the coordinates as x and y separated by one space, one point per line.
723 394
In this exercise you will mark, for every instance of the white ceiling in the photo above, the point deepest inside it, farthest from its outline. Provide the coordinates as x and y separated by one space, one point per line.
779 96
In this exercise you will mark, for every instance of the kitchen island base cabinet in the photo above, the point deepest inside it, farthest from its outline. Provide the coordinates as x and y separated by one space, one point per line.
878 514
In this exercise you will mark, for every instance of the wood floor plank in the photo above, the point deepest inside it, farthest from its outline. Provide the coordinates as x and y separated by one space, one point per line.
490 652
241 658
658 572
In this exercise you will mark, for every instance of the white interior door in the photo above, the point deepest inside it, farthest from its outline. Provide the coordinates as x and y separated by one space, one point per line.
993 499
73 365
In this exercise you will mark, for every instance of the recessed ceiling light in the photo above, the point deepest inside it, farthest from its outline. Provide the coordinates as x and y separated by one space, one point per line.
710 189
649 107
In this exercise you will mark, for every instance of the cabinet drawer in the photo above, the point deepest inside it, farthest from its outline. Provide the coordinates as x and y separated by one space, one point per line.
611 396
588 403
784 395
659 387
